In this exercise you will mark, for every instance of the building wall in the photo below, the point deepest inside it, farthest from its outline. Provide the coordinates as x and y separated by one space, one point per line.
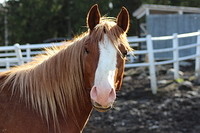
166 25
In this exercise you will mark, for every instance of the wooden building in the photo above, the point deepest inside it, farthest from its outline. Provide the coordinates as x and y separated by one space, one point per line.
164 20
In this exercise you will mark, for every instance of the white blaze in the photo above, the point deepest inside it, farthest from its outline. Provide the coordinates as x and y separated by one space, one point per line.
105 72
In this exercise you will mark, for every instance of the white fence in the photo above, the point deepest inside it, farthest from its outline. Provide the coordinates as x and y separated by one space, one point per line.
175 49
19 54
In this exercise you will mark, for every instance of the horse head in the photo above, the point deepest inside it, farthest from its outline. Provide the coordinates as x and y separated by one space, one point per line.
104 56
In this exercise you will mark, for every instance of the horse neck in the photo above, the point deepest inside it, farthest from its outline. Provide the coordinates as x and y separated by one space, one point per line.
55 84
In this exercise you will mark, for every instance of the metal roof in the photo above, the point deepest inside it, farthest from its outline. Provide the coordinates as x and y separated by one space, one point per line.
147 9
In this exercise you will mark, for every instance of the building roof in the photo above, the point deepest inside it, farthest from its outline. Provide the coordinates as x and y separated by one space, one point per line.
147 9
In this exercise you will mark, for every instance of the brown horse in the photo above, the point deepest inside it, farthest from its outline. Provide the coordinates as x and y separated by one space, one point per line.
57 91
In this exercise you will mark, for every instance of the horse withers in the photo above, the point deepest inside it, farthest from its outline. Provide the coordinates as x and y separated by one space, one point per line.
57 91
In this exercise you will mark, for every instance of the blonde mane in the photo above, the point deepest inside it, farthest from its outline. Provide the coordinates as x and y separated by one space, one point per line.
54 81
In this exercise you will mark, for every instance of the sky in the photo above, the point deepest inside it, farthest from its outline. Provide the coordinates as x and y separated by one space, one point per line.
1 1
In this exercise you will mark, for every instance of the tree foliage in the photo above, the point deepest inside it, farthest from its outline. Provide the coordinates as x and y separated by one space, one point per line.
1 24
33 21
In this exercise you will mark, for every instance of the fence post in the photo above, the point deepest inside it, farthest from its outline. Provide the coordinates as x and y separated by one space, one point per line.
7 64
28 53
151 65
131 58
197 60
175 56
19 54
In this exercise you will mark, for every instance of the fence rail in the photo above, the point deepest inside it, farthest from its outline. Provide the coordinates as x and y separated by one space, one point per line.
20 54
175 60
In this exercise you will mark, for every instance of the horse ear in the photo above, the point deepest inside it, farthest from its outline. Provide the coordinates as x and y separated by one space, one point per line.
123 19
93 17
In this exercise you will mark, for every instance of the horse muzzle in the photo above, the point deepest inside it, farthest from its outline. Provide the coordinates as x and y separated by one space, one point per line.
102 98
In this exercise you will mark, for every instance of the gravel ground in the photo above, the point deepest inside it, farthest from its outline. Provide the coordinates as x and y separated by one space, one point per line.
137 110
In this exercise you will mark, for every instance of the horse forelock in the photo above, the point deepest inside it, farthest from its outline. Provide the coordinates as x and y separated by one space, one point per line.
109 27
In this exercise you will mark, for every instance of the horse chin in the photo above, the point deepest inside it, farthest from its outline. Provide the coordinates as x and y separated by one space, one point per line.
100 108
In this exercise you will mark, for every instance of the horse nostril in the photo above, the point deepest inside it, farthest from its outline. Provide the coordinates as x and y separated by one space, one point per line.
93 93
112 94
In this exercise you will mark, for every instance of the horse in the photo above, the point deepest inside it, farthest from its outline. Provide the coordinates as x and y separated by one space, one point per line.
57 91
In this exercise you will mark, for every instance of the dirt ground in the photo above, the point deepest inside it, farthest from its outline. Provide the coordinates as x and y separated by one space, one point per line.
137 110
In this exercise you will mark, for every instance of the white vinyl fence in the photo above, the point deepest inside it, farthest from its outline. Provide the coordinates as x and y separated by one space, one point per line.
150 52
20 54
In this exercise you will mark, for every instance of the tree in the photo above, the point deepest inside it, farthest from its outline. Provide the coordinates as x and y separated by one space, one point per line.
33 21
1 24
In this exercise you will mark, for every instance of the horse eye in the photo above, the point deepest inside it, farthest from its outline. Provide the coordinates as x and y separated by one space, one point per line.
86 51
